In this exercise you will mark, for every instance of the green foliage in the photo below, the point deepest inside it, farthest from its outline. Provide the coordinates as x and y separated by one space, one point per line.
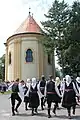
72 52
62 30
56 27
2 69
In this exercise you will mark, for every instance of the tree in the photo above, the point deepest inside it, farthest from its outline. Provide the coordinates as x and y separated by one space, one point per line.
56 29
72 52
2 67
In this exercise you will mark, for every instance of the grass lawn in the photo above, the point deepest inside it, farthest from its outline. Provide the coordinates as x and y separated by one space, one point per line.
7 92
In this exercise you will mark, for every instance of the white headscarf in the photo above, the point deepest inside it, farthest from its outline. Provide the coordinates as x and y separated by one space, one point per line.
68 79
78 79
33 84
28 82
57 81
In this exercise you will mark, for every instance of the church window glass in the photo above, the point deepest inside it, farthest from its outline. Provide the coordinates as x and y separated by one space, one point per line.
9 58
29 56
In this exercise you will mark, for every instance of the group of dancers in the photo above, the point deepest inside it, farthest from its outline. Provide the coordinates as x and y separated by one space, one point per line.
35 93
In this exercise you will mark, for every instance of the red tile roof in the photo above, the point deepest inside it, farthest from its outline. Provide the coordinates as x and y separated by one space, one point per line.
29 25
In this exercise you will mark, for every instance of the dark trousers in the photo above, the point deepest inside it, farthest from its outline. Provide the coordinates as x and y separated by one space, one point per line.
42 102
26 105
15 96
49 106
69 111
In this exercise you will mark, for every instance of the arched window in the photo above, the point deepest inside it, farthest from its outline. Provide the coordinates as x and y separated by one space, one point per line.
9 58
29 56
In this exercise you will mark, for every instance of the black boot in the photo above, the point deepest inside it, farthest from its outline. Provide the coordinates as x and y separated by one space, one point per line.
42 108
49 116
16 109
36 110
32 111
54 110
26 106
74 109
69 113
13 113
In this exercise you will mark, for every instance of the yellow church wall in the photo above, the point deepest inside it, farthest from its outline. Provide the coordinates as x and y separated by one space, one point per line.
31 69
18 68
6 63
17 58
10 67
47 67
40 59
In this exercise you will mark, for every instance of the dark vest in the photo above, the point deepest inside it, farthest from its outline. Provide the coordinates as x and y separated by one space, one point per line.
33 90
25 90
50 86
15 88
42 85
69 87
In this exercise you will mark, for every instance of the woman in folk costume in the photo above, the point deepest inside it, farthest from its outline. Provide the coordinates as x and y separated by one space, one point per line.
26 95
78 85
58 85
52 95
33 95
21 89
69 94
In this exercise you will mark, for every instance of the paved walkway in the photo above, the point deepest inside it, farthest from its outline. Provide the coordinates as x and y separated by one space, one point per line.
5 112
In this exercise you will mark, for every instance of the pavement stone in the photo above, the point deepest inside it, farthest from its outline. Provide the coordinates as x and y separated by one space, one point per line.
5 112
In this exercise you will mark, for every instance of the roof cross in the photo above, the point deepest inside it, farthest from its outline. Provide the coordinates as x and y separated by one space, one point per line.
29 10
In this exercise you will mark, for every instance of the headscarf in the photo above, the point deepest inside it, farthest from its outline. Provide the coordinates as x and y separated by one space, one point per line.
28 82
33 84
78 79
68 79
57 81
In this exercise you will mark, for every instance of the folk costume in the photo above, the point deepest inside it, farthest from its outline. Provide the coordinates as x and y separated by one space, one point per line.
58 85
69 95
53 95
15 96
42 84
78 86
33 96
26 95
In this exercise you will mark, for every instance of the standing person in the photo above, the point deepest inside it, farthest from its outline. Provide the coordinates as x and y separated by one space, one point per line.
58 84
53 95
78 86
21 89
69 94
14 96
26 95
42 84
33 96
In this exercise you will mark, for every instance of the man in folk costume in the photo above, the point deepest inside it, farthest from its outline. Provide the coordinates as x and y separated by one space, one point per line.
53 95
15 96
69 94
33 96
26 95
42 84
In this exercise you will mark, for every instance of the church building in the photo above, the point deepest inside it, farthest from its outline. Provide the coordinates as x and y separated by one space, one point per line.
25 56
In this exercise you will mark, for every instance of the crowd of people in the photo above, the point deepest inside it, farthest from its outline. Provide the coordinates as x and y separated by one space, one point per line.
35 93
4 87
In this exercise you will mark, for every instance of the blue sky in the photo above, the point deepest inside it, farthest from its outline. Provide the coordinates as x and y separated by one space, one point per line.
14 12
